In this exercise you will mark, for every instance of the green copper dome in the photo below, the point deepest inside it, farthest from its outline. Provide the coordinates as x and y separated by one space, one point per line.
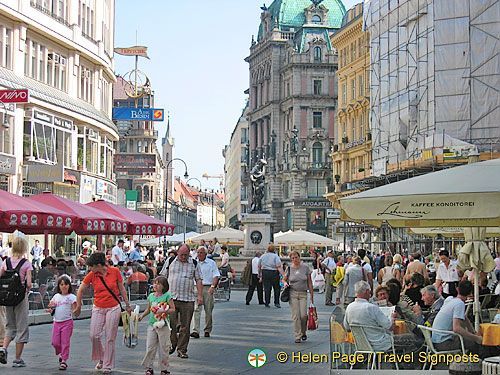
290 13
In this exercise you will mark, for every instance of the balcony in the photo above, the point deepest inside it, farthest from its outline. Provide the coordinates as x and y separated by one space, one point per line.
320 165
88 37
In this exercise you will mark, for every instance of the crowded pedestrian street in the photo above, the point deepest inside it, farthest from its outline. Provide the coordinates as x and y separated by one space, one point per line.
238 329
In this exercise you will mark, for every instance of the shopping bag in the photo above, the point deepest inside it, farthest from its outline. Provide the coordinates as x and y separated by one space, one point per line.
312 318
318 279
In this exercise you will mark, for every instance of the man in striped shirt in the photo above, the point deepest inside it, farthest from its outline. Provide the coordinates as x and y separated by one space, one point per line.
183 273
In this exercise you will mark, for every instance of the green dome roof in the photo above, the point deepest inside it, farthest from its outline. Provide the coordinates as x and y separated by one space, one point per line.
291 12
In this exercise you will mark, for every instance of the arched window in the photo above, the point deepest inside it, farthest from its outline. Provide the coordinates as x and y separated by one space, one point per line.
139 193
139 147
317 53
317 155
316 19
146 193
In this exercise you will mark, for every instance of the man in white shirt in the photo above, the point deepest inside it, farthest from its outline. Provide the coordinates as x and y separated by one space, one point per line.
362 312
451 317
36 253
270 269
255 282
329 265
117 254
210 277
367 268
447 276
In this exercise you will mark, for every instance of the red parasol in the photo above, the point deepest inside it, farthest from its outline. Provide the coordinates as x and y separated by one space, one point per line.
88 220
140 224
18 213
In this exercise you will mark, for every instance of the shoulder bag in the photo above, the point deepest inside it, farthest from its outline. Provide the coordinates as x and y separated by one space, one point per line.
285 294
123 319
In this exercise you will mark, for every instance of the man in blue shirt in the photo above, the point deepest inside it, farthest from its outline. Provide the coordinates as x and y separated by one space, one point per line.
135 254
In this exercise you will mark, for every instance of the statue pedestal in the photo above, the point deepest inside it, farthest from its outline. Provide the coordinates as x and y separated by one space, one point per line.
258 227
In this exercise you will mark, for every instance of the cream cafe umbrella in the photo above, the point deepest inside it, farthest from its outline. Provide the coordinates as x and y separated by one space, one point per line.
476 255
303 238
464 196
227 236
453 231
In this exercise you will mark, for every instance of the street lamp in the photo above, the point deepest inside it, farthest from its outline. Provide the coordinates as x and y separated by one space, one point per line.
186 175
196 179
212 211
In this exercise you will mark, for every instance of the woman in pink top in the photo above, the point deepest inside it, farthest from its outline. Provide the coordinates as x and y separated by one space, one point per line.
17 316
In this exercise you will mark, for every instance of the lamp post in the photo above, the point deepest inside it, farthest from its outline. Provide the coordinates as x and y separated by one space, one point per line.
212 203
186 175
5 121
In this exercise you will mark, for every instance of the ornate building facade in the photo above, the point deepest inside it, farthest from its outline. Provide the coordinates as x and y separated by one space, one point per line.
352 151
292 108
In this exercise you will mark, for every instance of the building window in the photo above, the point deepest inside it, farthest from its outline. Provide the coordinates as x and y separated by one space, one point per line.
344 94
105 91
316 220
316 188
317 54
139 193
45 65
317 119
317 155
146 193
5 47
287 187
353 89
139 147
123 146
47 143
317 87
244 136
288 219
360 85
316 19
86 17
86 85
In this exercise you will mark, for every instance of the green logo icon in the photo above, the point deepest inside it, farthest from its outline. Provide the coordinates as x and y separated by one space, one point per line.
257 358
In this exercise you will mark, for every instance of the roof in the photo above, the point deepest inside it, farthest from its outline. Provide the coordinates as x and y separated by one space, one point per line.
290 13
119 89
353 14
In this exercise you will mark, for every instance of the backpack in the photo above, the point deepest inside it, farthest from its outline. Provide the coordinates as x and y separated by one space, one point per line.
12 289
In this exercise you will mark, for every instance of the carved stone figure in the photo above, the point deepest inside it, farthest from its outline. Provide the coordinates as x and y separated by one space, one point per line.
258 178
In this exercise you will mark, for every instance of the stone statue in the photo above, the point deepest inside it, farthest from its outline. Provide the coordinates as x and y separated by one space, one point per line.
258 178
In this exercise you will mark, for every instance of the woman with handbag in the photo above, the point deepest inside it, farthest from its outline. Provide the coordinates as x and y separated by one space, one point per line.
107 282
298 279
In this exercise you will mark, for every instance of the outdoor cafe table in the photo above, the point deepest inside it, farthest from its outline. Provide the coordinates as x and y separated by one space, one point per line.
491 334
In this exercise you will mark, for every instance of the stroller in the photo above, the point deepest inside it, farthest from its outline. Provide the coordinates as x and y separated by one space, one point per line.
223 290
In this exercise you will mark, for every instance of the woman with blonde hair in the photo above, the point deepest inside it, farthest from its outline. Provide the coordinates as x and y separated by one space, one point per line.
397 266
298 277
17 316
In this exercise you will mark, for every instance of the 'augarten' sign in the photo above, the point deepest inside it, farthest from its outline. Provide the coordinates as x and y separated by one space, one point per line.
138 114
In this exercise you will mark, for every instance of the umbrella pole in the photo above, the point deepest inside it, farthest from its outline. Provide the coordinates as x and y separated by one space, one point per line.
46 241
477 308
99 242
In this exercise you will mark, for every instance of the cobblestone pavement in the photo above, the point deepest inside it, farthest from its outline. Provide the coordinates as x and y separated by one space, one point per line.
237 330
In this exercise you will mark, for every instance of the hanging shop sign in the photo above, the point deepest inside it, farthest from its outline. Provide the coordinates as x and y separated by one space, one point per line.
132 51
7 165
14 96
138 114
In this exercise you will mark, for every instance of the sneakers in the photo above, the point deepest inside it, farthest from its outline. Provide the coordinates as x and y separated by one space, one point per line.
18 363
3 356
195 335
182 355
207 334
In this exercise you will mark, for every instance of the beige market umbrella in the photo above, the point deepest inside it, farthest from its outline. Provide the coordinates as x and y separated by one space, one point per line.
303 238
453 231
227 236
476 255
464 196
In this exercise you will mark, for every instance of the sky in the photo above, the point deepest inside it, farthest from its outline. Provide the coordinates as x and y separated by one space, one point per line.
196 68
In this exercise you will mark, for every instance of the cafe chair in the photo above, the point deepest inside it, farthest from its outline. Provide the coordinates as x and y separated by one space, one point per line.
138 290
363 346
339 342
427 332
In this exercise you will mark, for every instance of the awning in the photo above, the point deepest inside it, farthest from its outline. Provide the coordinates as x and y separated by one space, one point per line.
89 220
70 178
140 224
27 216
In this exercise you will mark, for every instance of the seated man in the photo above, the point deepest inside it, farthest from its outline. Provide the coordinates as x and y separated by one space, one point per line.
362 312
431 298
136 276
451 317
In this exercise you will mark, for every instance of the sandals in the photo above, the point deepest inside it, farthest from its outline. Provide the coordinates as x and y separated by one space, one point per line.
98 366
63 365
149 371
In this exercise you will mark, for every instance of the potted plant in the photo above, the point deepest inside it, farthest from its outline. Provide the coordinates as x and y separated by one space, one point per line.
337 178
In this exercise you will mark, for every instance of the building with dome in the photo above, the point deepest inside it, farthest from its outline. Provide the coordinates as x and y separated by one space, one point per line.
292 107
